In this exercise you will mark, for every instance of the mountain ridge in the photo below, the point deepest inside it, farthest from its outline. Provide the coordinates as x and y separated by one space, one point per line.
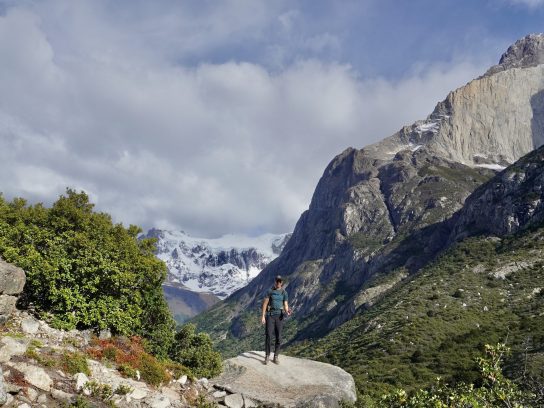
383 207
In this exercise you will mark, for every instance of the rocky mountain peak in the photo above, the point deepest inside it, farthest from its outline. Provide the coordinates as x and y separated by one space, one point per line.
526 52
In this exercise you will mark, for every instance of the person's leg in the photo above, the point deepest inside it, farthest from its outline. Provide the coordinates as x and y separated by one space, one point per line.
269 330
278 327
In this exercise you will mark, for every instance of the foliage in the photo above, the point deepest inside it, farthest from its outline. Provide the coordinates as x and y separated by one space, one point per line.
74 363
123 389
84 271
495 391
98 390
195 350
201 402
131 357
81 402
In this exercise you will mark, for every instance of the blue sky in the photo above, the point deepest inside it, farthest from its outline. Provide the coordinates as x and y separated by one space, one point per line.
220 116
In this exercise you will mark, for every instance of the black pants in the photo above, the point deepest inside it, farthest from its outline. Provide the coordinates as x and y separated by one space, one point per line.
274 325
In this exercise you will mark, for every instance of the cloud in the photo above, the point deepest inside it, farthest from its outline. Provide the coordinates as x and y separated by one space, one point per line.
210 148
529 3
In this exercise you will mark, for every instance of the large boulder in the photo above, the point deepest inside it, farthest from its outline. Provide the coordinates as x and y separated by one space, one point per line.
295 382
12 281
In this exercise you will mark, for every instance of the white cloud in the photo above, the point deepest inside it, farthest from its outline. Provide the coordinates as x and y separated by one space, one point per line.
528 3
210 147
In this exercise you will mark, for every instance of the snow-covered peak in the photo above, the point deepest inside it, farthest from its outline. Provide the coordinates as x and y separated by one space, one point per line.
217 265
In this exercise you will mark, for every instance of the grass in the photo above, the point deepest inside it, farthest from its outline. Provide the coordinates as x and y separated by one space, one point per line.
440 319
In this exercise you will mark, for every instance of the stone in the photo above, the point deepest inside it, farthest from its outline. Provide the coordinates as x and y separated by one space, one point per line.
12 388
24 405
32 394
158 401
30 325
172 394
7 306
104 334
3 393
295 381
234 401
249 403
182 380
35 376
81 379
12 278
204 382
219 394
138 394
10 347
42 399
60 395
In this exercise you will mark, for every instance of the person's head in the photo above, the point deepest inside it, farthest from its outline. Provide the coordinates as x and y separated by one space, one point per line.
278 282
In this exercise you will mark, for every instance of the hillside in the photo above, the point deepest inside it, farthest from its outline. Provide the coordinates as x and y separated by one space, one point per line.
378 213
484 290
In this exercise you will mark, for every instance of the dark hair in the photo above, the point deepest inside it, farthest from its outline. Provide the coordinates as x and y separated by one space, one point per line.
278 279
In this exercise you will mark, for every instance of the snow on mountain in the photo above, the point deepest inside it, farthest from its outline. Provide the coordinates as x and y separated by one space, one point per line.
217 265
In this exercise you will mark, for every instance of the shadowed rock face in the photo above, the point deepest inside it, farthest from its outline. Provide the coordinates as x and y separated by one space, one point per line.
512 200
295 382
12 281
382 207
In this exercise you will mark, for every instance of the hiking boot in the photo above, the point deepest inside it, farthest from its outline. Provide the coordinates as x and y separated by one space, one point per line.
266 360
276 359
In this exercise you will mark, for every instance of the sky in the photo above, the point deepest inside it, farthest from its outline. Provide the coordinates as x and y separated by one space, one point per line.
220 116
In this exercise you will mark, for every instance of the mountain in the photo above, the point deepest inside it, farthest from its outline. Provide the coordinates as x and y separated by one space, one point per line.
380 214
201 271
485 288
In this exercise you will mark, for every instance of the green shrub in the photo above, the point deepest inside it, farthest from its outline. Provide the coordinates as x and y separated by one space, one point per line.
110 353
74 363
81 402
84 271
152 371
101 391
496 390
123 389
195 351
127 370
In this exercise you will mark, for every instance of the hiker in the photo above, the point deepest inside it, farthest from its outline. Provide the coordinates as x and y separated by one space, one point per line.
274 309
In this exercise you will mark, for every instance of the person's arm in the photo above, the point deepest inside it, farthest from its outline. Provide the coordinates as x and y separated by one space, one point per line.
265 305
286 307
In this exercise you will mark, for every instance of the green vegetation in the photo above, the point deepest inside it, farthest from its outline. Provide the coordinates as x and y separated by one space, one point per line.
84 271
74 363
435 324
495 389
196 351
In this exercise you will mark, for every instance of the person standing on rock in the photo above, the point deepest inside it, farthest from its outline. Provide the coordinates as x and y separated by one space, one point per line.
274 308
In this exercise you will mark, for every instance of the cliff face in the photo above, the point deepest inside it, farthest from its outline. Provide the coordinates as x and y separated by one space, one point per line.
511 201
383 207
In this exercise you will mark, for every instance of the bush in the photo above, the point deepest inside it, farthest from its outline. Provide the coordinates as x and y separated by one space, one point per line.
152 371
74 363
84 271
496 390
131 357
195 351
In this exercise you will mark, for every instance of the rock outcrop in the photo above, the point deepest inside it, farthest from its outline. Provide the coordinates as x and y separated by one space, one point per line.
12 282
512 200
30 375
294 382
